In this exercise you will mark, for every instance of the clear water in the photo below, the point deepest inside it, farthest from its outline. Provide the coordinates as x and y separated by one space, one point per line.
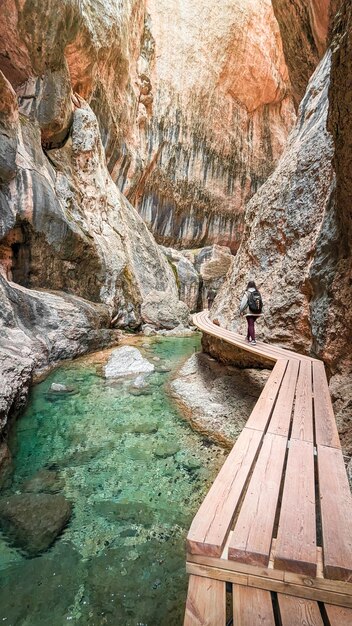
135 473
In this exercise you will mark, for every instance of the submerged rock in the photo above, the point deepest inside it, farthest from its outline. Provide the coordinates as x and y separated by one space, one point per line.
44 481
217 399
125 361
60 388
166 448
48 585
140 383
33 521
133 512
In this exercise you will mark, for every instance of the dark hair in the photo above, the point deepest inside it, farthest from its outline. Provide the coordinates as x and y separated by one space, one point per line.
251 285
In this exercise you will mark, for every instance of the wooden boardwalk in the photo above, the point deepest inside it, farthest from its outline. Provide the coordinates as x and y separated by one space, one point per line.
272 541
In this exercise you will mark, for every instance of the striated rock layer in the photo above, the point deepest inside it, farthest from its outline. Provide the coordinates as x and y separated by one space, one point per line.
192 119
304 26
218 122
65 225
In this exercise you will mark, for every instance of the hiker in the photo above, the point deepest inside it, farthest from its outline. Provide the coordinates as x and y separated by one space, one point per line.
251 306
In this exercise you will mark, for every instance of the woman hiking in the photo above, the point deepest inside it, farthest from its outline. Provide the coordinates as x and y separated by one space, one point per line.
251 306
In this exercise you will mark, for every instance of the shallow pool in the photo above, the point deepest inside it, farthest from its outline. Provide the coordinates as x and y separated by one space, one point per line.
135 474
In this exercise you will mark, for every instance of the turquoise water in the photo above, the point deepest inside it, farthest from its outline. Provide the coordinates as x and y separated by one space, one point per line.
135 474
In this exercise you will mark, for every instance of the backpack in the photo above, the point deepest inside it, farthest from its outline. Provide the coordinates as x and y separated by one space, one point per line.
255 302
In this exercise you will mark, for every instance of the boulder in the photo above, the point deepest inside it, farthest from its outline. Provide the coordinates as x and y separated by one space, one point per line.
44 481
125 361
164 310
33 521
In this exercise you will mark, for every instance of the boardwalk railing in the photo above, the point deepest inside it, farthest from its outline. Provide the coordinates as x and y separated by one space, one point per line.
276 525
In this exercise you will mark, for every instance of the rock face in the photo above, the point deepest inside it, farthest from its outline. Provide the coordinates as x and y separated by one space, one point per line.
65 226
304 26
289 223
219 118
39 328
192 119
338 336
64 213
199 273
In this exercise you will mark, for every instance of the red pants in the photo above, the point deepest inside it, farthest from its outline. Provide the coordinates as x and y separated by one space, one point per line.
251 330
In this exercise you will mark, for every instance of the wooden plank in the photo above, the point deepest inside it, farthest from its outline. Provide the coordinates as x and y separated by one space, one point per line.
251 539
325 425
298 611
272 352
281 417
296 538
336 514
235 566
252 607
324 584
213 520
300 590
302 425
262 411
338 615
206 602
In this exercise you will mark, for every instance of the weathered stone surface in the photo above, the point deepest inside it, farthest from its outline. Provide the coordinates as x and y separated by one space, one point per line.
162 312
338 282
59 388
289 223
217 399
5 463
304 26
125 361
214 263
39 328
33 521
72 216
219 119
198 272
157 89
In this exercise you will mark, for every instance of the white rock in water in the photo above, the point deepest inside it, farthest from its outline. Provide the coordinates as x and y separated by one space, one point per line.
140 382
59 387
125 361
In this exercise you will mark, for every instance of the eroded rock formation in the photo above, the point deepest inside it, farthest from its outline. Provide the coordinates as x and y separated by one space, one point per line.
289 223
199 273
192 120
304 26
219 121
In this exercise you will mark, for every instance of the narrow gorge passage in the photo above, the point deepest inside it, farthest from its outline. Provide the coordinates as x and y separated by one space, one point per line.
156 156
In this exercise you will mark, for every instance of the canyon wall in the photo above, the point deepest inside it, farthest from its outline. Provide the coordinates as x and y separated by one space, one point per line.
304 26
192 119
288 225
297 238
74 254
218 121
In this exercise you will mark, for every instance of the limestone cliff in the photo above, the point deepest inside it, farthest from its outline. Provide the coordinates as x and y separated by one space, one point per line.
64 225
219 118
289 224
192 119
